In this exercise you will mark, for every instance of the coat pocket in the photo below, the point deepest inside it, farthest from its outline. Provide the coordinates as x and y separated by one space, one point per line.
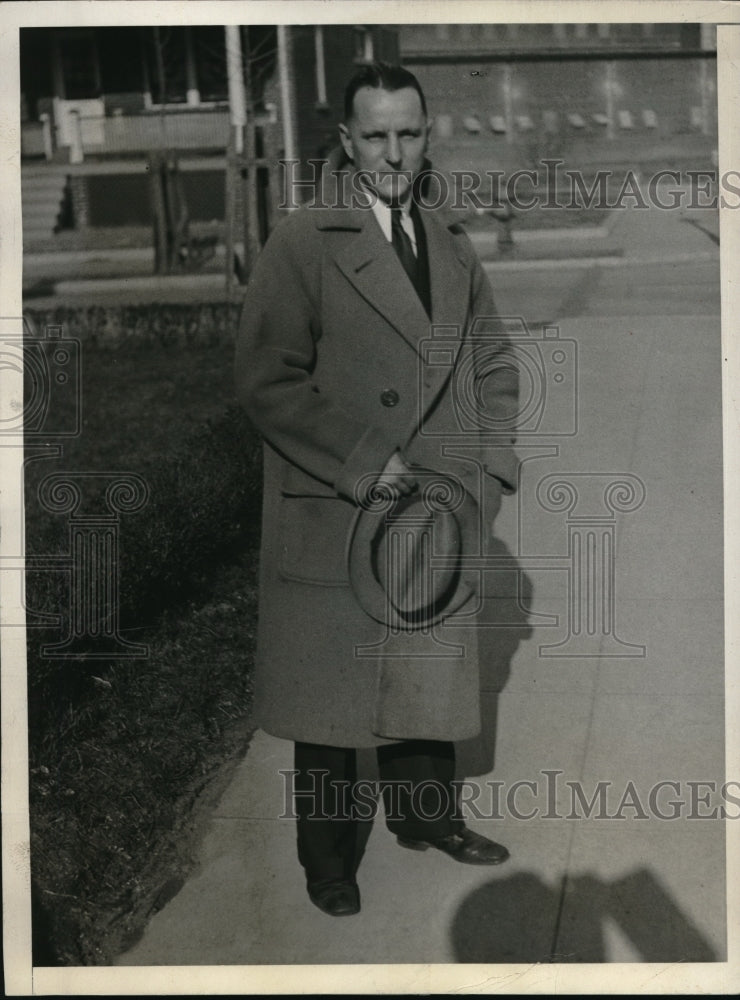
313 539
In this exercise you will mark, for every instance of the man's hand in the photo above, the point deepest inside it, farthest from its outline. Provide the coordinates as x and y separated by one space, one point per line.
397 476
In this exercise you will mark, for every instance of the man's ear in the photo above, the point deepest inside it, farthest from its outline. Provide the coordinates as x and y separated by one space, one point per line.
429 127
346 141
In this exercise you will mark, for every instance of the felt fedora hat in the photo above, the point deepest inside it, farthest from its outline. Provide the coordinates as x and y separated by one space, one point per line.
405 555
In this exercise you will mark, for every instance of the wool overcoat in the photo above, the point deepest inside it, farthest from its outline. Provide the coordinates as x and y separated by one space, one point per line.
338 365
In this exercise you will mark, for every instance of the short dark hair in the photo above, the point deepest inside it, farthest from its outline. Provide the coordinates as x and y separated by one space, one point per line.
382 76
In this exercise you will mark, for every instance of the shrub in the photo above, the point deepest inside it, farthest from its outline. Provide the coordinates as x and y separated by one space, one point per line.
184 323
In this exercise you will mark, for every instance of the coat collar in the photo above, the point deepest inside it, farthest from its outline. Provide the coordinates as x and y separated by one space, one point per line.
369 262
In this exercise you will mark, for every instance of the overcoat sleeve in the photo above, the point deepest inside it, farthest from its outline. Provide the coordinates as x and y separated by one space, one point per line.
276 354
497 375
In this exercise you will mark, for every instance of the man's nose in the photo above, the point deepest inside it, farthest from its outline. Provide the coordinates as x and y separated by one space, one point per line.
393 152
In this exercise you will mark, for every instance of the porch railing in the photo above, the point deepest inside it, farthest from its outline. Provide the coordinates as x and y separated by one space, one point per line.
123 134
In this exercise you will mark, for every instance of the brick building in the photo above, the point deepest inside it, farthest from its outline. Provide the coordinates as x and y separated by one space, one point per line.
512 93
96 100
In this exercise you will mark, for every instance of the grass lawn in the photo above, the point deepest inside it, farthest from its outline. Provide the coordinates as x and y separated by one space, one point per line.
123 753
139 401
118 785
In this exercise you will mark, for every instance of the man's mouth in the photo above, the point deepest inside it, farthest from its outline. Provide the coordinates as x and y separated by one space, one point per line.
397 180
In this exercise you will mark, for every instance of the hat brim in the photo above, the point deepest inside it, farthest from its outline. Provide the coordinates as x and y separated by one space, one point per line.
368 527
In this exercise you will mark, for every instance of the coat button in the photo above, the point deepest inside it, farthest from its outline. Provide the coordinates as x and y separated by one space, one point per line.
389 397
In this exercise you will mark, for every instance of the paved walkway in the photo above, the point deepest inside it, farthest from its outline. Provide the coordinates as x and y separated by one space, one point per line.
122 273
640 704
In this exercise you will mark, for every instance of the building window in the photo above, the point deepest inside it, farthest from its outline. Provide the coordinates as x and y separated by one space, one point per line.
166 65
559 32
443 32
363 45
649 118
581 31
443 126
550 122
78 60
647 30
209 44
186 65
708 36
603 30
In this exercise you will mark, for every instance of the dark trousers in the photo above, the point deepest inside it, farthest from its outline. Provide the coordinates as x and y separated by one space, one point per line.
335 811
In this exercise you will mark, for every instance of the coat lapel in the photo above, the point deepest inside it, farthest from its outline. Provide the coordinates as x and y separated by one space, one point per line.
449 275
370 263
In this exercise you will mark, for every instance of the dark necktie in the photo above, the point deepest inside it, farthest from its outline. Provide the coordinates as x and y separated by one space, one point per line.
404 249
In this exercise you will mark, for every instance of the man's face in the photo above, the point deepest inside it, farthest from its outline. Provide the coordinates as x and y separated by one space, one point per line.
387 137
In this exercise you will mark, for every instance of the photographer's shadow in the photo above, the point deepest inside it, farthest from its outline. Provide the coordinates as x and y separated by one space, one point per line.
507 596
520 919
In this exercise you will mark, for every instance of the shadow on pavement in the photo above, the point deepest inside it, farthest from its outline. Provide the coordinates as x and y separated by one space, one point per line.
508 595
521 919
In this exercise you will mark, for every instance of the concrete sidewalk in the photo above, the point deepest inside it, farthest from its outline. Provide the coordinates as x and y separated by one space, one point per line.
76 274
124 275
633 704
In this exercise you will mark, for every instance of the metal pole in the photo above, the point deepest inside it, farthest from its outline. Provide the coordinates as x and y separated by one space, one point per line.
704 89
160 67
235 72
76 154
46 132
251 229
159 213
162 97
286 103
238 114
318 35
230 208
610 88
193 94
508 104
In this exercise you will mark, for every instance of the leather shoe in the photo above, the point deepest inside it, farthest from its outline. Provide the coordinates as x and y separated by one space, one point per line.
466 846
336 897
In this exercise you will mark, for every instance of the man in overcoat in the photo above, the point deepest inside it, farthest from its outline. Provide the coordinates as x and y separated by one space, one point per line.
358 359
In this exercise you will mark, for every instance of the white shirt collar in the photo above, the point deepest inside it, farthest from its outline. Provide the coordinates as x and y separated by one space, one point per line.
382 213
